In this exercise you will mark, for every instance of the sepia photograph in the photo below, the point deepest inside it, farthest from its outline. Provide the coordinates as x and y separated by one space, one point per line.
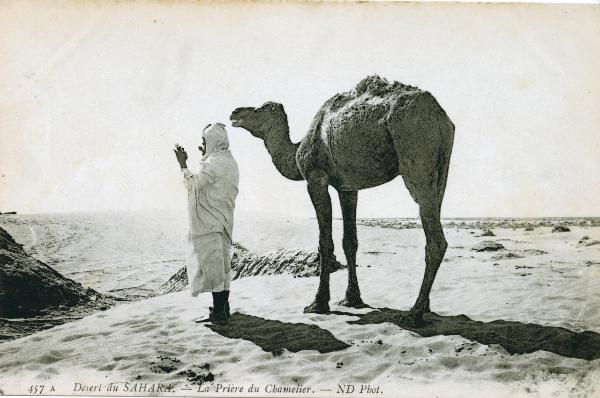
299 199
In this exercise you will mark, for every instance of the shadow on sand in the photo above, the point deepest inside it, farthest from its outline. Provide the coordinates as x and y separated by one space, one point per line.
514 337
274 336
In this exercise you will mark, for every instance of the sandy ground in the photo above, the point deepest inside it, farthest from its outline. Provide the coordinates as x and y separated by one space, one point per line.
270 340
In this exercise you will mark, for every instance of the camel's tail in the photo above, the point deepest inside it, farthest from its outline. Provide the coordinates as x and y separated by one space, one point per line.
447 135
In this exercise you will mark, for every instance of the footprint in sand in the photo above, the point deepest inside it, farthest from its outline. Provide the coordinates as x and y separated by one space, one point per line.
450 362
108 367
53 356
75 337
125 366
11 350
51 371
132 357
509 376
172 350
146 328
130 322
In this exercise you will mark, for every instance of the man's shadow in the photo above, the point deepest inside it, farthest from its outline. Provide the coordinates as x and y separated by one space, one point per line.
275 336
515 337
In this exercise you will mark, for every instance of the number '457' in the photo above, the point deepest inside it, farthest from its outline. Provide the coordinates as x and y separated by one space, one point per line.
38 389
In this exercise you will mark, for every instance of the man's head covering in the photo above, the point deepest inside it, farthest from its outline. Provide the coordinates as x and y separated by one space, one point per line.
216 138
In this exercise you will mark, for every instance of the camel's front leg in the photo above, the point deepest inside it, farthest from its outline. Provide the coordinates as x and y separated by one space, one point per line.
348 200
319 195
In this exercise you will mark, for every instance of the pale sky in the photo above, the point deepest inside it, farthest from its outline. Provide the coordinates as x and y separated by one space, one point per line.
93 96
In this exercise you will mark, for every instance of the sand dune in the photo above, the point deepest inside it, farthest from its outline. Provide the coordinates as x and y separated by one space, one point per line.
34 296
244 263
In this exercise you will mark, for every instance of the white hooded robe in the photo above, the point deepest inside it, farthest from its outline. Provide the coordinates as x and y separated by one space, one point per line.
211 202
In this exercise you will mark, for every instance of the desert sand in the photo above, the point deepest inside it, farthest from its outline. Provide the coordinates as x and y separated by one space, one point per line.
545 294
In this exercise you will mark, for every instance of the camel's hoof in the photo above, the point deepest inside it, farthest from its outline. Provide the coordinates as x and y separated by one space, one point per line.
412 320
353 303
317 308
426 308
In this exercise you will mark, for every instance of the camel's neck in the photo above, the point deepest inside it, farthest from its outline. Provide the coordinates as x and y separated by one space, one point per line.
283 152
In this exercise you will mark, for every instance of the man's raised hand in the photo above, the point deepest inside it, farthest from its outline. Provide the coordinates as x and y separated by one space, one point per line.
181 155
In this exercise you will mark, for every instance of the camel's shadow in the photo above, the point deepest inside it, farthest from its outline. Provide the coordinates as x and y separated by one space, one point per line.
514 337
274 336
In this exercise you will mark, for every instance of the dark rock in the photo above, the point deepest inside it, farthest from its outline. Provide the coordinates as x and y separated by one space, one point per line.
585 241
506 256
8 243
534 252
488 246
29 287
560 228
510 255
488 232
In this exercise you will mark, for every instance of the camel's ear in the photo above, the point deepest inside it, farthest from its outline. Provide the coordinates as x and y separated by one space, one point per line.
274 106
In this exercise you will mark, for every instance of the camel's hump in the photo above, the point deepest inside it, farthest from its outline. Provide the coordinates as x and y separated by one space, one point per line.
374 86
378 86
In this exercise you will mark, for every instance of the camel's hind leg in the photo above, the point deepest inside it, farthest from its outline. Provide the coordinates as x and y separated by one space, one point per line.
429 210
318 190
423 137
348 200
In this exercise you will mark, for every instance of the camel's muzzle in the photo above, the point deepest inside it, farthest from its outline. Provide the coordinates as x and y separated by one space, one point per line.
238 115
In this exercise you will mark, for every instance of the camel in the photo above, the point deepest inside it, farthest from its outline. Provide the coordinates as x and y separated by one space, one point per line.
361 139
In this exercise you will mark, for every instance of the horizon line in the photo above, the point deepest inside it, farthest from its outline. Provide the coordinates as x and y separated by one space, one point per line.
290 216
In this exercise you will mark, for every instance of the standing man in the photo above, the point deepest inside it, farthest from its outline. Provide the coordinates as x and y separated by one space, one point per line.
211 201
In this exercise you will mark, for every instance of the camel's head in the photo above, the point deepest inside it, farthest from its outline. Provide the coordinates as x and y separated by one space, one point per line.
259 121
